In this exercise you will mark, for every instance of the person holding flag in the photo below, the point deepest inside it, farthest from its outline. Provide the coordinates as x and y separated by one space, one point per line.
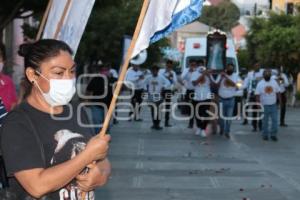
44 147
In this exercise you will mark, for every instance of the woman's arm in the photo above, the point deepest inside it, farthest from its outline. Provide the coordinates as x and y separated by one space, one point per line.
39 182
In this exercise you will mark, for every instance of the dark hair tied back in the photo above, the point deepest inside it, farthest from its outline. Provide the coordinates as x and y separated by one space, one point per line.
38 52
24 49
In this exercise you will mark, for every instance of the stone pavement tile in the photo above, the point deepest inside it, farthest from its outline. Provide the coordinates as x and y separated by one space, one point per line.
190 194
175 164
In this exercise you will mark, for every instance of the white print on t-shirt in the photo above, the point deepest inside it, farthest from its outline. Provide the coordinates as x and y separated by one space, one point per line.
74 193
267 90
66 138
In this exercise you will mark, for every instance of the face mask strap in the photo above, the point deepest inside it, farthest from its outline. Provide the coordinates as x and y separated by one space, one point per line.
39 73
37 85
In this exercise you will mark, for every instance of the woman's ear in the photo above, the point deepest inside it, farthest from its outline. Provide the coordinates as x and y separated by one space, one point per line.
31 74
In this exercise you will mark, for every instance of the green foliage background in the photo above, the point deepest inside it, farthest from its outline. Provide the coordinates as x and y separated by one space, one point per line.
103 38
275 41
224 16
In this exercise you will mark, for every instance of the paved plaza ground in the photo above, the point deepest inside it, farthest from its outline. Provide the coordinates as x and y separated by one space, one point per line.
174 164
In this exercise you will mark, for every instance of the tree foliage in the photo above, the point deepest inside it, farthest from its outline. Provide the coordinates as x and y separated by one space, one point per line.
103 37
275 41
12 9
224 16
110 21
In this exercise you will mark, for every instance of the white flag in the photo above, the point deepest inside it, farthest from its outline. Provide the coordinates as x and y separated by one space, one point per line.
74 23
163 17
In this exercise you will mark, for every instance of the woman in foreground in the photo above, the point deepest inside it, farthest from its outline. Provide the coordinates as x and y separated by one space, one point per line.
48 153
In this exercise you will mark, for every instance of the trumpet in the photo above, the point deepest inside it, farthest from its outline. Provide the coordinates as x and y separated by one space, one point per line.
239 84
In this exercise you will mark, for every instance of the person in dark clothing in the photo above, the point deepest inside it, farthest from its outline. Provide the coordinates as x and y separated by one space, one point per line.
3 175
283 83
45 148
101 88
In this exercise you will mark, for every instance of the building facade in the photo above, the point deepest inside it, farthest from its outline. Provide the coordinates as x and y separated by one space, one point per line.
253 7
285 6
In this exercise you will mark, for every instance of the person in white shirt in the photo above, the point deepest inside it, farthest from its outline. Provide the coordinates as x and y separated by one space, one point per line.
186 77
135 78
155 84
250 84
169 74
200 66
283 82
267 92
202 100
227 91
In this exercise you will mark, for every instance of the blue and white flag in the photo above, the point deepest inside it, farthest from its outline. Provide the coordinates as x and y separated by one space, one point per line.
164 17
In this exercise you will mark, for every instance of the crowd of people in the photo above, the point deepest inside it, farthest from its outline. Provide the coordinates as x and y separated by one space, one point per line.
214 98
59 158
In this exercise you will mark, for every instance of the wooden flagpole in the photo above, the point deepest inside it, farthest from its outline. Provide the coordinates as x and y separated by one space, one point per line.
124 68
62 19
44 20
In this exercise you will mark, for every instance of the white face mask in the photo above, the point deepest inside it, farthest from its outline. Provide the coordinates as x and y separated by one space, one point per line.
1 66
61 91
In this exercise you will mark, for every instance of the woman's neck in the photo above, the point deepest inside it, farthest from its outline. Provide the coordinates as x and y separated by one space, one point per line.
36 100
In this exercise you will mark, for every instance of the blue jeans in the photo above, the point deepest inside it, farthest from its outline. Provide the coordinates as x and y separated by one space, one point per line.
226 113
270 111
98 117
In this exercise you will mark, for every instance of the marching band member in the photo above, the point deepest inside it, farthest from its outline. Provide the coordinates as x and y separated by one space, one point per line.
250 84
187 81
136 79
202 100
283 82
155 84
227 92
169 74
200 65
267 92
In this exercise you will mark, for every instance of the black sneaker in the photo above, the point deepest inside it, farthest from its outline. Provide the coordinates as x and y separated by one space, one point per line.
265 138
168 125
245 123
158 128
283 125
254 130
227 135
274 138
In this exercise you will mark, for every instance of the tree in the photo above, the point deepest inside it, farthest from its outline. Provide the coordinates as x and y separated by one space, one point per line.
275 41
12 9
224 16
103 37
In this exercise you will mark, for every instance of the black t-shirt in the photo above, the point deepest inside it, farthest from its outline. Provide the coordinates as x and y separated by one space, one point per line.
61 137
98 86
